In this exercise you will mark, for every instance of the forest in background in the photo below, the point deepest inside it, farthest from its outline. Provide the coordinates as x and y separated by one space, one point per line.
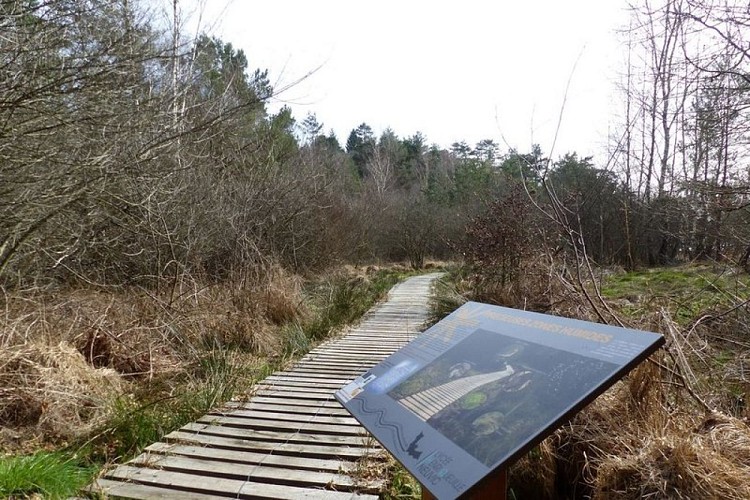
144 184
131 155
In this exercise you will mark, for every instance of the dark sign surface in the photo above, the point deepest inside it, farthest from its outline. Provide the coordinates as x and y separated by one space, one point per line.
483 386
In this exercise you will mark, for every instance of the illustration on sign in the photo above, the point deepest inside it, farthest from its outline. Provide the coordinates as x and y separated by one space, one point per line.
485 385
490 391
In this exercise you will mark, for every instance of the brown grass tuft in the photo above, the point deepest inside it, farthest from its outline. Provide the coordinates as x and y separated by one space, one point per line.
639 441
52 387
711 461
534 475
280 298
66 353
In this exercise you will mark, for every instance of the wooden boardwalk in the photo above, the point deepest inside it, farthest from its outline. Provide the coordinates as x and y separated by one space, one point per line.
291 439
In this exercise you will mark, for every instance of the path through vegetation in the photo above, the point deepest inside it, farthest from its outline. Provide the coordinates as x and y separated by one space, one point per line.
290 438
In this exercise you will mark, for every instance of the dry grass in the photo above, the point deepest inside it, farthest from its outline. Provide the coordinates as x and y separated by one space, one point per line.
66 355
648 436
533 476
711 460
54 390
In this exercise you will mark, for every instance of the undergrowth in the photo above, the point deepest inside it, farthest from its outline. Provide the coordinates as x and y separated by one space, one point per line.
450 292
401 484
647 436
166 365
341 299
145 416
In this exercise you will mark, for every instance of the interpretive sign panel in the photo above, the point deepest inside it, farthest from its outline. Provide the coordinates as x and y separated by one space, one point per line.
485 385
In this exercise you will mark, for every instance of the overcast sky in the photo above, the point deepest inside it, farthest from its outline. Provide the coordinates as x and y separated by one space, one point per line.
453 71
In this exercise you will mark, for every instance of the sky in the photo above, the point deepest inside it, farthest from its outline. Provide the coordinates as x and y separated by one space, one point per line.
453 71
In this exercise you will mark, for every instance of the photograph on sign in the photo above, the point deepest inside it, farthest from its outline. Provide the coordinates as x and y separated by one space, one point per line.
490 393
483 386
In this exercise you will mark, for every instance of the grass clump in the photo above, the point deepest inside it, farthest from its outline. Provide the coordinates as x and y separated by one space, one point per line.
449 293
49 475
341 298
401 484
144 417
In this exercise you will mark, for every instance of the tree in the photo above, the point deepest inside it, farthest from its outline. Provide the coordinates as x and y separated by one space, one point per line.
223 70
310 129
81 121
686 91
385 158
591 196
360 146
530 167
412 167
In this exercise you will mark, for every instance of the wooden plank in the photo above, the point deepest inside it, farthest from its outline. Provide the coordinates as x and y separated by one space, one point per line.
295 373
284 426
332 366
335 372
341 362
292 417
327 362
261 473
237 488
305 382
291 401
276 436
363 350
352 358
360 359
298 395
327 371
302 410
375 341
251 457
310 389
372 342
342 371
119 489
365 344
293 377
354 346
310 450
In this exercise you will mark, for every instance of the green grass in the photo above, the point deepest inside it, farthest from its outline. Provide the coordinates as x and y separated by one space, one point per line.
401 484
685 291
341 299
48 475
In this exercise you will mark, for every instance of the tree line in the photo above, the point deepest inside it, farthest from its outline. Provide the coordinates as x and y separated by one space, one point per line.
130 154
